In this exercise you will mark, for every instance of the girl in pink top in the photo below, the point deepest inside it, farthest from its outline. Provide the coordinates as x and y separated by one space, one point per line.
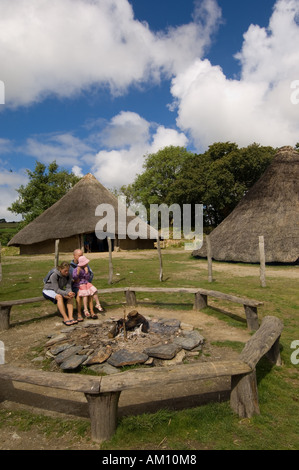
81 277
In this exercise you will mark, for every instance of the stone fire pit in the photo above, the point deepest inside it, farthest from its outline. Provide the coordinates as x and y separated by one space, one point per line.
105 346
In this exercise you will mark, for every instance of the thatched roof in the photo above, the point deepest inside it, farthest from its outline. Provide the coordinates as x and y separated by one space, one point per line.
269 209
73 214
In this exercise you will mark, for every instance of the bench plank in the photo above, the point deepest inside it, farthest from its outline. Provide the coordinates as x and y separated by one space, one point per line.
171 375
72 382
200 301
10 303
262 341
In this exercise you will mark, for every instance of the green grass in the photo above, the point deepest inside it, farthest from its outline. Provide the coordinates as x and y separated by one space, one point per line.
7 231
211 426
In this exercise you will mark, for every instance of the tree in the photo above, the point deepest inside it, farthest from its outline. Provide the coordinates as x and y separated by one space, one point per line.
161 171
221 177
45 187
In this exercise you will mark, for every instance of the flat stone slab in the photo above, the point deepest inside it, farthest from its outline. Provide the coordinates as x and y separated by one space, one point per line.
189 340
73 362
123 357
56 339
100 356
163 351
60 358
164 326
59 348
104 368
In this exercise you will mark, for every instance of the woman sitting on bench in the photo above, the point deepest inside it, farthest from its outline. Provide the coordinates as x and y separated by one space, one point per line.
58 289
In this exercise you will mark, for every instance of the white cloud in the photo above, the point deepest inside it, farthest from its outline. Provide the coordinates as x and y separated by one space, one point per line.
77 171
62 47
164 137
66 149
117 166
256 108
126 129
5 146
9 182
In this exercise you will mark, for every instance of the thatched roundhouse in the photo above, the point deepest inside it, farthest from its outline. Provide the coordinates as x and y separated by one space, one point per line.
269 209
72 221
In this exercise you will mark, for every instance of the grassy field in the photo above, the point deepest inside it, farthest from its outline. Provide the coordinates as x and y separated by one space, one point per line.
7 231
211 426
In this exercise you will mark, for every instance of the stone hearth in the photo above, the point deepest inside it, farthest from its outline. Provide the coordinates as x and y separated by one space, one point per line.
92 344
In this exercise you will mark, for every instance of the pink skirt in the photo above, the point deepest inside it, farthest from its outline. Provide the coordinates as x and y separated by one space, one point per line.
86 290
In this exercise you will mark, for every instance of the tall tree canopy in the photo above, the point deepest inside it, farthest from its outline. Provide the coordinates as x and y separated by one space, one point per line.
46 186
218 178
161 171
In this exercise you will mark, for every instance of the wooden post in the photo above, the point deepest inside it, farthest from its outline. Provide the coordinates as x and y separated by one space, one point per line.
81 242
244 395
103 415
262 261
251 317
4 318
131 298
56 263
209 254
160 258
273 355
110 261
200 301
0 263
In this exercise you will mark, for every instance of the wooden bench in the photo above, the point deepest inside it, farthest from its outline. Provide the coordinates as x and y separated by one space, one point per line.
5 308
200 301
102 393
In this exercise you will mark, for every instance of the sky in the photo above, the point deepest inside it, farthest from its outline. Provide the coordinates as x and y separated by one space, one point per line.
99 84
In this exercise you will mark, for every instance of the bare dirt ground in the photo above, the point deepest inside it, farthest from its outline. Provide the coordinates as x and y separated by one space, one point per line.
20 342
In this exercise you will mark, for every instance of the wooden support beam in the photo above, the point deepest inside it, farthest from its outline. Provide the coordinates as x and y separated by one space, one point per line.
209 255
0 263
200 302
264 340
56 261
110 261
160 259
4 317
262 262
131 298
103 412
244 395
252 317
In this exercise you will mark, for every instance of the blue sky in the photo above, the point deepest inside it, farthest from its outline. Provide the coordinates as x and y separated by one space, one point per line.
98 84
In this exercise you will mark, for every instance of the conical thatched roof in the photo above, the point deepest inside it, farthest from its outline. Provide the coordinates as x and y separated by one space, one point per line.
269 209
73 214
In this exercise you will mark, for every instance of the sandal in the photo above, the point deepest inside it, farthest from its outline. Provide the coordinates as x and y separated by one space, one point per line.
80 319
86 313
94 316
100 308
69 322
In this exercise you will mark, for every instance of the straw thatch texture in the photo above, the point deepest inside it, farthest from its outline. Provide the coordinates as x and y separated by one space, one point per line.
269 209
72 216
